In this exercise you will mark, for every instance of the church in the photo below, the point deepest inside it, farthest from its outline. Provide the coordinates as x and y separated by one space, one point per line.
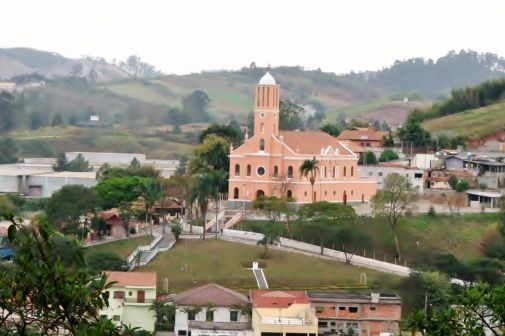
268 163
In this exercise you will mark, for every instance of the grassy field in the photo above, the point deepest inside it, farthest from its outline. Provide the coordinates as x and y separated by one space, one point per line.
50 141
461 236
471 124
225 263
122 247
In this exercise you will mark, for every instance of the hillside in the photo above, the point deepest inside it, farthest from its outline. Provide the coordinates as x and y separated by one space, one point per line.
25 61
471 124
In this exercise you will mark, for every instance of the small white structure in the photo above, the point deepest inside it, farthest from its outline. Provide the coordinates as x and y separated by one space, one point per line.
130 299
379 173
216 314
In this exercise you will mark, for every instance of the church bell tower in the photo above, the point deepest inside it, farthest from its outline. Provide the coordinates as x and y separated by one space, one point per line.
266 106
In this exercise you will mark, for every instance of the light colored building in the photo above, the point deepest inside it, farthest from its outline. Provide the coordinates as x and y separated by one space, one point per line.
372 314
283 313
130 299
381 171
217 314
100 158
423 161
363 136
269 162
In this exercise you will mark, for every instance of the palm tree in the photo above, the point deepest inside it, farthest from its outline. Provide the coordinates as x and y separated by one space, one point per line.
203 191
210 308
219 183
151 191
310 168
180 187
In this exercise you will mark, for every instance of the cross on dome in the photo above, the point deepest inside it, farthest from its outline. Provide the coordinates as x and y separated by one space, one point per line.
267 79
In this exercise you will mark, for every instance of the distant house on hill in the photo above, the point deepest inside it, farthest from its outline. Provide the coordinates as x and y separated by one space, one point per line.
363 136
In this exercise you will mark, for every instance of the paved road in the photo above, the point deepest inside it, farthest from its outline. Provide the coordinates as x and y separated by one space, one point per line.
260 278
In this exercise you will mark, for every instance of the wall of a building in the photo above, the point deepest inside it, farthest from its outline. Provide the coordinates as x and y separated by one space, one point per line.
51 184
221 314
9 184
294 311
379 173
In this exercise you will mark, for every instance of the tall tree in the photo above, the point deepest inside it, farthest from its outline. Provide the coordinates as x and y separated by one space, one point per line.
211 154
8 151
66 205
228 132
8 109
392 201
57 120
290 115
219 181
120 192
151 190
180 187
195 105
310 168
202 193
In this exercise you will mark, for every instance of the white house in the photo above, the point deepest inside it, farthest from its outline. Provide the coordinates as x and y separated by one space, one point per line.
130 299
211 310
379 173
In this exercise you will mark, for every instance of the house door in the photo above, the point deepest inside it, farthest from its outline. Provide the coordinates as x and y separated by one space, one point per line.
141 296
362 198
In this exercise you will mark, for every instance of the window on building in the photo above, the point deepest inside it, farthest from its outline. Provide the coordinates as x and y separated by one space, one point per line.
260 171
352 170
141 296
341 308
379 173
118 295
370 173
319 309
325 193
181 333
262 128
191 316
116 318
345 170
334 193
290 171
372 308
235 193
418 175
237 170
262 144
248 170
353 309
323 324
276 171
209 315
305 194
289 193
233 316
334 172
130 293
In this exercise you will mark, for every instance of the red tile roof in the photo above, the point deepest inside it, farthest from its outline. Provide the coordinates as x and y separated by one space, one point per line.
143 279
311 142
362 133
210 293
277 299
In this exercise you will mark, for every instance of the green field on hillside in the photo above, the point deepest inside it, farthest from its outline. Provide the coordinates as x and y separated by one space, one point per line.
226 263
472 124
50 141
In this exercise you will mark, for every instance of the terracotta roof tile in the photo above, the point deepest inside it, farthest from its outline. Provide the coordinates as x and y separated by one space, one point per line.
144 279
277 299
311 142
210 293
361 133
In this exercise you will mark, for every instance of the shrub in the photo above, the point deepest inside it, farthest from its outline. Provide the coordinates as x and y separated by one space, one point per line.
432 212
388 155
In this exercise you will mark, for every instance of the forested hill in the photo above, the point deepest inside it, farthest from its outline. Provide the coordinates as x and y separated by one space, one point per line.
434 78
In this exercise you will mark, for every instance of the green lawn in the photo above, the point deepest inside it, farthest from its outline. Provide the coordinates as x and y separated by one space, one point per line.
225 263
121 247
431 232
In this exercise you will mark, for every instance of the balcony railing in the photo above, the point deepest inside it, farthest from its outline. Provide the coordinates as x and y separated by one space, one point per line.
285 321
134 300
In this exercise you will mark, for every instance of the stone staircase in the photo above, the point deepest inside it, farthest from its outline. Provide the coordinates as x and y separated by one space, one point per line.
142 255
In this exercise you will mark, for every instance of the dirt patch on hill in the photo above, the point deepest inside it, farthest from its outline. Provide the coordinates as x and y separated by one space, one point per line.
393 113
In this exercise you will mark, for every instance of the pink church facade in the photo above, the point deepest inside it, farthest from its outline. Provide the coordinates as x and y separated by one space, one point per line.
269 162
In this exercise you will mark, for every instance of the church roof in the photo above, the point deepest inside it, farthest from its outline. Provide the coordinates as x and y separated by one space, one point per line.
267 79
312 142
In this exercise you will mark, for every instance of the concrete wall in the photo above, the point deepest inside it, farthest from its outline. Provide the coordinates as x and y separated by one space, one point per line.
9 184
379 173
111 158
51 184
221 314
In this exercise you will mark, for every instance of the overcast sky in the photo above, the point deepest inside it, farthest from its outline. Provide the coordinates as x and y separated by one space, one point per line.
182 36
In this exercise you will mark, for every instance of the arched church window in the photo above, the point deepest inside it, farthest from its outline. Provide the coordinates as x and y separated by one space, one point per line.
276 171
237 170
262 144
248 170
235 193
345 170
352 170
334 172
290 171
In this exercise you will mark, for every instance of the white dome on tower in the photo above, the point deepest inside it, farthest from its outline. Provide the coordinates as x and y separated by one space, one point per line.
267 79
